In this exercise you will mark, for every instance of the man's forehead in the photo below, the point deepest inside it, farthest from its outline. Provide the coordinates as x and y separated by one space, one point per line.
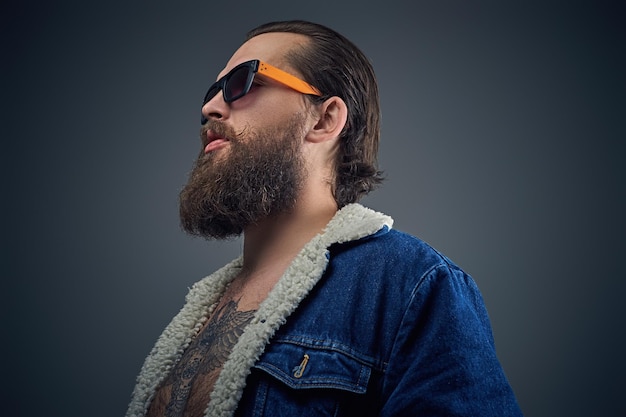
269 47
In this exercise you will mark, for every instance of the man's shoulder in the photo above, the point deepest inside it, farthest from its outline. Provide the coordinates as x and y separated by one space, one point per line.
399 241
395 248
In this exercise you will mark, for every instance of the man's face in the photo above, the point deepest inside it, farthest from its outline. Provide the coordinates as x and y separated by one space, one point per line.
261 175
251 166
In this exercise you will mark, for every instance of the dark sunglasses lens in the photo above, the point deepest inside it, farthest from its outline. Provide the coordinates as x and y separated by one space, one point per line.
237 84
234 85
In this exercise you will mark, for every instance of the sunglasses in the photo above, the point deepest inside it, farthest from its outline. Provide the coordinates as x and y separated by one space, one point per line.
238 81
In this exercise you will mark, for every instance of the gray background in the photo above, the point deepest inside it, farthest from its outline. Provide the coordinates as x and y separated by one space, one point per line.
503 143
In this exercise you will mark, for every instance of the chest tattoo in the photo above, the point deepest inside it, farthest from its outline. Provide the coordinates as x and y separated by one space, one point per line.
207 353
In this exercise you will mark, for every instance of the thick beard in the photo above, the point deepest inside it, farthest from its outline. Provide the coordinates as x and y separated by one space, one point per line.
256 177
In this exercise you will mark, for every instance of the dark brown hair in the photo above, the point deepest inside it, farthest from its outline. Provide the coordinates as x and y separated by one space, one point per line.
337 67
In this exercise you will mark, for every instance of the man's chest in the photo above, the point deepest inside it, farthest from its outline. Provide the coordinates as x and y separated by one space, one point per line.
187 389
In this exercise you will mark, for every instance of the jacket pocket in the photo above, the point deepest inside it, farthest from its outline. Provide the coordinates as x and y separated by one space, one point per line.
301 367
295 379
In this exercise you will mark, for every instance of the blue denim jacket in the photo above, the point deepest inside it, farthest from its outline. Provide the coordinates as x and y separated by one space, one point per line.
368 321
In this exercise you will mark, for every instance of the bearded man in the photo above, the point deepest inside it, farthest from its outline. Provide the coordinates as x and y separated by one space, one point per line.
328 311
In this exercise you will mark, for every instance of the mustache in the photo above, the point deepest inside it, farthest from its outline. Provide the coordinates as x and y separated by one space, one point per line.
220 129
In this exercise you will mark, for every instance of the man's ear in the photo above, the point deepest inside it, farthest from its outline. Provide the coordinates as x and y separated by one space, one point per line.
332 117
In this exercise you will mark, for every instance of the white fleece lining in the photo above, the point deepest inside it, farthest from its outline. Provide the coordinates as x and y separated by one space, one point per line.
352 222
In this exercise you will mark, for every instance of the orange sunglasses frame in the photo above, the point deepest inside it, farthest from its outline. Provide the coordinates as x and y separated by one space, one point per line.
287 79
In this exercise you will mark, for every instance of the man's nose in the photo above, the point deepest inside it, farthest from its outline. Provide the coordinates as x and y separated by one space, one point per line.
215 109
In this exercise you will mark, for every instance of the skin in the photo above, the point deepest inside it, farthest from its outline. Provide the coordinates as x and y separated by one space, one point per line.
270 245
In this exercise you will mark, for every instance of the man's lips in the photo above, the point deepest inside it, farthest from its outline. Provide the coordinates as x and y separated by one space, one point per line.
215 144
213 141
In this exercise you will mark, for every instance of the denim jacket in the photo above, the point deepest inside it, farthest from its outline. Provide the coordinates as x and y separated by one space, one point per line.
366 321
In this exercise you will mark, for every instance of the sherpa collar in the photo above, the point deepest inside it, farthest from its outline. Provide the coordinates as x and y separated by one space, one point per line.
352 222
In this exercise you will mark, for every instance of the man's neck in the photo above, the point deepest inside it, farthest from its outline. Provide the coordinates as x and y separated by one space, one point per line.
271 245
